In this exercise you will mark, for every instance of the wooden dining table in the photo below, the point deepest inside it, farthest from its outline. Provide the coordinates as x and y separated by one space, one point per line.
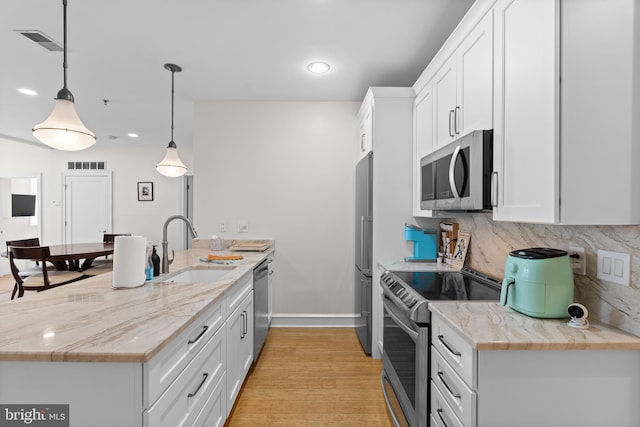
77 256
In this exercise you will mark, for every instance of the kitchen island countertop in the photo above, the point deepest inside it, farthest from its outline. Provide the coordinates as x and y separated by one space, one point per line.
89 321
491 326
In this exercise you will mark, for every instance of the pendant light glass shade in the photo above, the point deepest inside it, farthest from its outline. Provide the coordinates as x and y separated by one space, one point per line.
63 129
171 165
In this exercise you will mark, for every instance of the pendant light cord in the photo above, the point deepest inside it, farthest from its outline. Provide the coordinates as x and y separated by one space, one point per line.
64 41
172 79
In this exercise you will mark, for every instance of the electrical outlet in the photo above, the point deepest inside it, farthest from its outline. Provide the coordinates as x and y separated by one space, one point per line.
614 267
578 260
243 226
222 227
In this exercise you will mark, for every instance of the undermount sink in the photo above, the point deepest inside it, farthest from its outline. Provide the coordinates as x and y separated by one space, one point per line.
198 275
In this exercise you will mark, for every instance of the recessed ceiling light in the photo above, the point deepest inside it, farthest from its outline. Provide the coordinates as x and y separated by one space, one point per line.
318 67
25 91
132 135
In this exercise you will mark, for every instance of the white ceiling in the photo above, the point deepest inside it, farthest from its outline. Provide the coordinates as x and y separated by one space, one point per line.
244 50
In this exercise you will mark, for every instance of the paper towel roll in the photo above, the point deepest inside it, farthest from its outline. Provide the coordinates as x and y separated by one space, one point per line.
129 261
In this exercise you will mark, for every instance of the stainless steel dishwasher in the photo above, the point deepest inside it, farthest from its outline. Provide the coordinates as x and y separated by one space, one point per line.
260 306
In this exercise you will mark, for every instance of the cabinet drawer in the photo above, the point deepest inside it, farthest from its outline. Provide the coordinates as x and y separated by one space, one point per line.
455 350
239 291
214 412
441 413
460 398
187 395
164 367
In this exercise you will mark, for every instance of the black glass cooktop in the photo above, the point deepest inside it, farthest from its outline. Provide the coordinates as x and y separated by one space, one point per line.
466 285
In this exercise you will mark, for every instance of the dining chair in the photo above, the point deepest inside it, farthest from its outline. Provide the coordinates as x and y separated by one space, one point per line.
42 280
25 271
104 265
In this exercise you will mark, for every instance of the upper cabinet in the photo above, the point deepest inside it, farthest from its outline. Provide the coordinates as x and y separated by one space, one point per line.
366 131
463 86
525 136
454 95
567 102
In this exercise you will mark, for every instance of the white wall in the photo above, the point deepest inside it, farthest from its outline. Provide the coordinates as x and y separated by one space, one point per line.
129 164
288 168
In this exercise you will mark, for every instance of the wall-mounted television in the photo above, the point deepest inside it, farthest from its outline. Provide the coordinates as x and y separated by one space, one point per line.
23 205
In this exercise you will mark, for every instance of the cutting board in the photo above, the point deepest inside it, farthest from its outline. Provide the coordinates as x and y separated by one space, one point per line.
250 245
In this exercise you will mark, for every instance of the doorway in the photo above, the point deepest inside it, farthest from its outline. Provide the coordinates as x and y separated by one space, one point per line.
86 206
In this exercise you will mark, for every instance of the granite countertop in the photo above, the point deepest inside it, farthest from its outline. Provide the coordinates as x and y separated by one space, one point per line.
491 326
89 321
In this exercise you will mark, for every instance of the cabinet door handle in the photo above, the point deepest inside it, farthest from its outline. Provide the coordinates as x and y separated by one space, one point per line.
494 189
245 326
451 124
204 379
455 121
448 346
362 137
444 383
204 329
242 332
440 411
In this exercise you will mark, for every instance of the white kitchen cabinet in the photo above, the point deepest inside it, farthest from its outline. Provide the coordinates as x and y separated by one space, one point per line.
366 132
463 95
445 103
527 388
423 141
182 402
239 327
565 111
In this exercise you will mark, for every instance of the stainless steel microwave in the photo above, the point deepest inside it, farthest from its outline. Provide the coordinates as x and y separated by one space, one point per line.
458 176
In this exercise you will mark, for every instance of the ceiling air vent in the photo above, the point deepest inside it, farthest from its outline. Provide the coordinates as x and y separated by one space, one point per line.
41 39
86 165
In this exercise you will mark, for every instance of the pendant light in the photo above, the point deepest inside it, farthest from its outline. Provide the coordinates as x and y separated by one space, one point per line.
171 165
63 129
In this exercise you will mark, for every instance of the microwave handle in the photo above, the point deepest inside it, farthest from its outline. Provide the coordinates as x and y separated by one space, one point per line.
494 189
452 172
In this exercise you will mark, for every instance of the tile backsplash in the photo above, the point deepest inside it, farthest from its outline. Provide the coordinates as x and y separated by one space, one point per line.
616 305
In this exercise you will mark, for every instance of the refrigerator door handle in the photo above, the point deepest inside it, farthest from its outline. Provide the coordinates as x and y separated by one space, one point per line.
366 266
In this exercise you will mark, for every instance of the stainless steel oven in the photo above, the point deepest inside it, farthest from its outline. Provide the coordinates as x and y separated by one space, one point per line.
406 351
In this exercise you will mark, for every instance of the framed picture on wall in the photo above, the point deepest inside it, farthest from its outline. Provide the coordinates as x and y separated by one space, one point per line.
145 191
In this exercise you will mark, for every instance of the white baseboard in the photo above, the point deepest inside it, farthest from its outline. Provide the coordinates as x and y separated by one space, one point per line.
313 320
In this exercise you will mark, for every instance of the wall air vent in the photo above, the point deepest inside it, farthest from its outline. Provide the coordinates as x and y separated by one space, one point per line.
41 39
86 165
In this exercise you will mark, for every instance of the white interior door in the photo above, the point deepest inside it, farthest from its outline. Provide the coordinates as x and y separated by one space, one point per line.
87 202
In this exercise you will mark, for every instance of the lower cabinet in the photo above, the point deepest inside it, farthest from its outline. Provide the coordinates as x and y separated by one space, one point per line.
239 329
187 396
506 388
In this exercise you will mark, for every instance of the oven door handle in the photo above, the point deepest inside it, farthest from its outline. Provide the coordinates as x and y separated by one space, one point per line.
389 306
384 379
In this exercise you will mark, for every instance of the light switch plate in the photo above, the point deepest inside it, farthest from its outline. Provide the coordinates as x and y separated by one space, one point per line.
243 226
614 267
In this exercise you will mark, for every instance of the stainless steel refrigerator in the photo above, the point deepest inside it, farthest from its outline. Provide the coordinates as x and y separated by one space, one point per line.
364 251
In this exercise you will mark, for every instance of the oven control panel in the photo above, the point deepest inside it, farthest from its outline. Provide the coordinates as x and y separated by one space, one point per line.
412 303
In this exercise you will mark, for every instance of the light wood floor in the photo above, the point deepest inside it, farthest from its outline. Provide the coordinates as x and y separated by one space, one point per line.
312 377
6 286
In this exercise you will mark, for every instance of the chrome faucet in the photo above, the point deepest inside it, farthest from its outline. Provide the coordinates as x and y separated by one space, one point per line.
165 245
